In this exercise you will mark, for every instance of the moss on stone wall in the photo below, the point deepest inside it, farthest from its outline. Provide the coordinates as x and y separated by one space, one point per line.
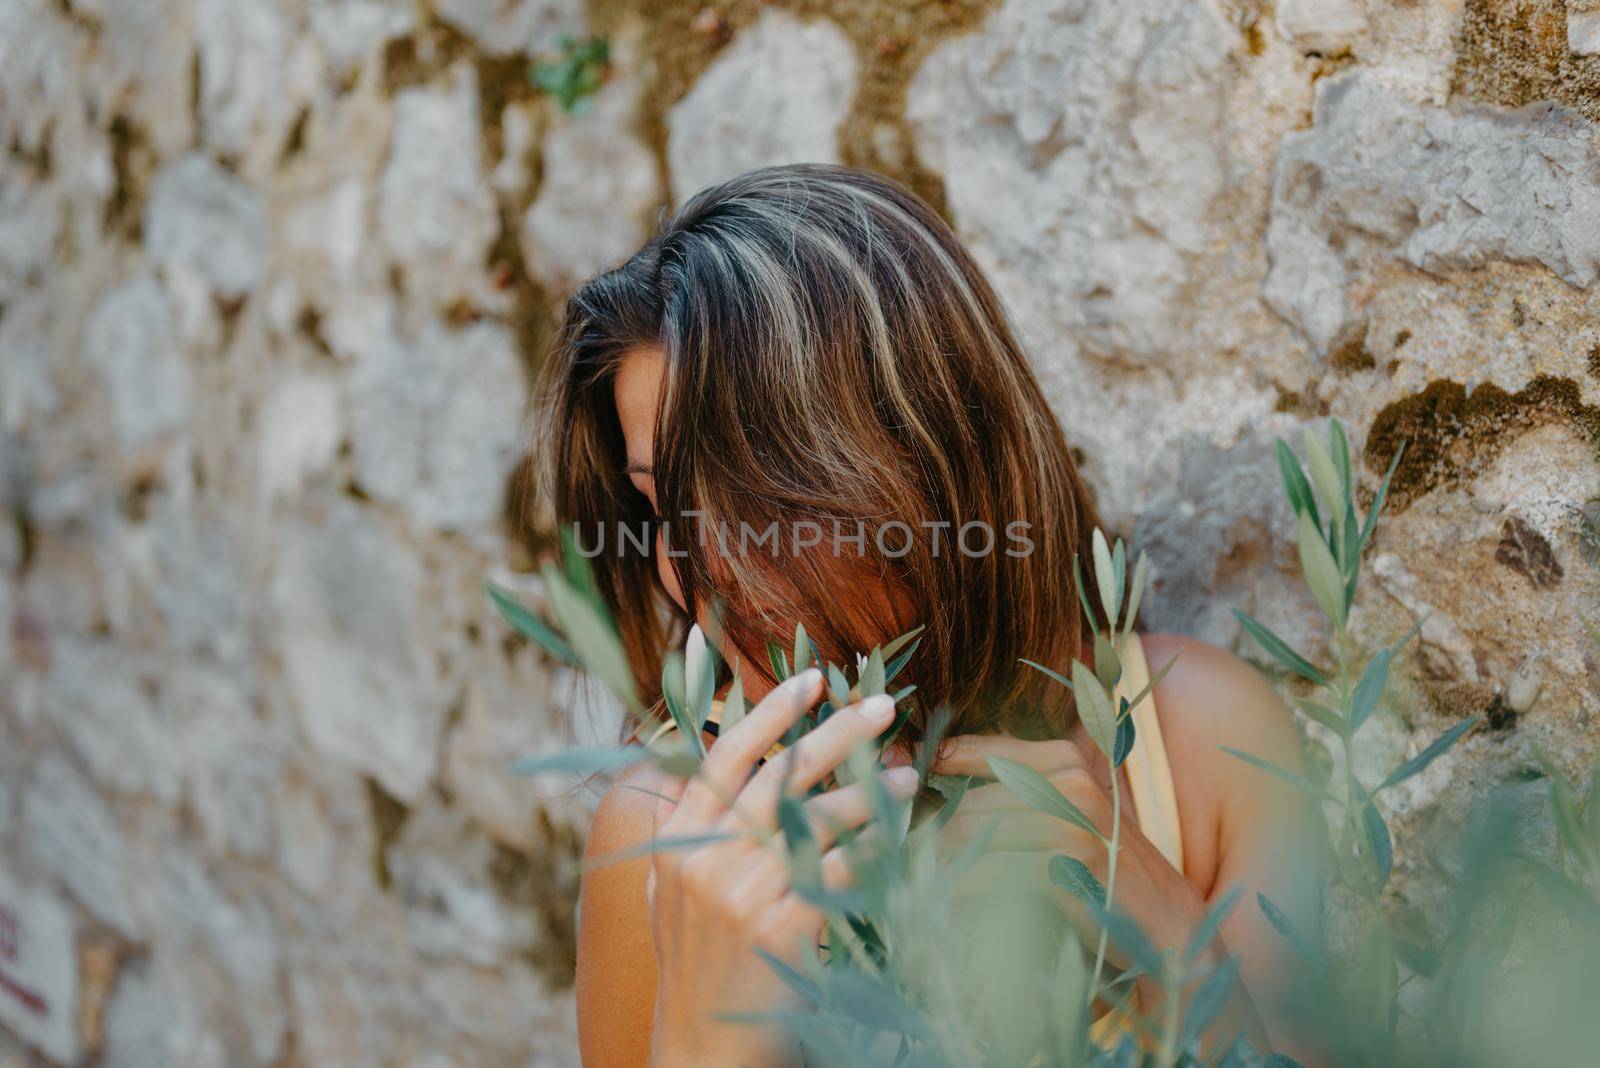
1451 435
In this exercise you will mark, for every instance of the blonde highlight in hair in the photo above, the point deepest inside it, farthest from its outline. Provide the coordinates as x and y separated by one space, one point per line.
832 354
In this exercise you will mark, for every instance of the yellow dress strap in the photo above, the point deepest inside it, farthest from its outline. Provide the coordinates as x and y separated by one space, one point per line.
1155 801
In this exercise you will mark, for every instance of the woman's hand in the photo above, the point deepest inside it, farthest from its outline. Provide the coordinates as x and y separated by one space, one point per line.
1148 888
713 906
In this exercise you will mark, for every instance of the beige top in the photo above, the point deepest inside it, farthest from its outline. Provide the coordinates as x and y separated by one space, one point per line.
1155 801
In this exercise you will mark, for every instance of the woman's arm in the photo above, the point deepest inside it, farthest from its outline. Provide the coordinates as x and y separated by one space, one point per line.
616 957
1242 827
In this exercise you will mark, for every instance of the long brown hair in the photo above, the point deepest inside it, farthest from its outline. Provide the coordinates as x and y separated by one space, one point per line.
833 356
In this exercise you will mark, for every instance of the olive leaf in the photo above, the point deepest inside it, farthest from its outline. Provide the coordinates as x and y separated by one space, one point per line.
1039 793
1321 573
1094 708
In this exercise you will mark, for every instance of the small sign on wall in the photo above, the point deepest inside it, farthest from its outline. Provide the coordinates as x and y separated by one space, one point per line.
38 969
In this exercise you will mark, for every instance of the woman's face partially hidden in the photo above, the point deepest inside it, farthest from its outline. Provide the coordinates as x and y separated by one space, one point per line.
637 393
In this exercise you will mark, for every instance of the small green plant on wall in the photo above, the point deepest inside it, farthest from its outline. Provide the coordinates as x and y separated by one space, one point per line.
574 76
891 988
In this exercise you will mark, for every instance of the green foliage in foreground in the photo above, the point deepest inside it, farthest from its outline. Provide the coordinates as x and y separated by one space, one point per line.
1489 969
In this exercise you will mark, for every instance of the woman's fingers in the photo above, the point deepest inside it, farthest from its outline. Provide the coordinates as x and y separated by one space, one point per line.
727 765
828 816
795 923
810 760
838 811
969 754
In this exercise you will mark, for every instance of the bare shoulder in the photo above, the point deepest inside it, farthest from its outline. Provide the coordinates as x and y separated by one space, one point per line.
1211 698
1211 701
625 816
616 985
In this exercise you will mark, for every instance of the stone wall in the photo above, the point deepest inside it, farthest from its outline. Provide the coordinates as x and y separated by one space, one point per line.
273 280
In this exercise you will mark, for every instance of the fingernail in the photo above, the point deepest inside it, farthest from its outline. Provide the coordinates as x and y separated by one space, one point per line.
901 780
802 682
877 710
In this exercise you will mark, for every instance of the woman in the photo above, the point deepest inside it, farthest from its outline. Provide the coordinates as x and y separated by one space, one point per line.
807 386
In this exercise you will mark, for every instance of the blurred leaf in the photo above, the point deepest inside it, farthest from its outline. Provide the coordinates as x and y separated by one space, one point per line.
1074 876
678 761
1215 916
1324 476
807 990
1369 690
672 691
1281 1060
1141 576
802 648
732 706
582 761
1340 448
1209 999
700 677
1119 574
1435 749
838 687
1383 492
779 661
1378 841
591 636
580 572
1321 573
898 664
1056 675
1105 578
1285 926
1126 932
954 790
874 1004
1094 708
1039 793
1155 680
1083 590
1299 782
1322 714
1280 650
872 680
529 625
900 643
1350 561
949 786
1295 484
1569 823
658 845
